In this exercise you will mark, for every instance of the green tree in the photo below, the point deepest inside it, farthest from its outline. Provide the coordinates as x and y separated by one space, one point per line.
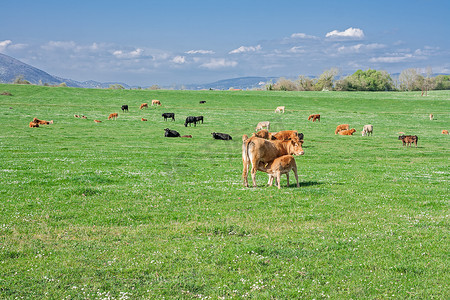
326 80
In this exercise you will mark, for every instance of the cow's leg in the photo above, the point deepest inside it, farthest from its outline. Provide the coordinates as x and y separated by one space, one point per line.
245 173
279 179
287 178
254 169
270 182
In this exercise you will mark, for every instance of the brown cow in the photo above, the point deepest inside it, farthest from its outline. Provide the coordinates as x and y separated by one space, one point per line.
263 133
33 124
341 127
284 135
187 136
42 122
156 102
256 150
113 116
280 165
144 120
444 131
97 121
314 117
143 105
408 140
76 116
347 132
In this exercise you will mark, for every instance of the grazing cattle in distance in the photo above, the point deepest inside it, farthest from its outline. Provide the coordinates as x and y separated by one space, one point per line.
190 120
280 165
168 115
143 120
143 105
341 127
171 133
113 116
187 136
408 140
84 117
124 108
33 124
256 150
202 102
263 124
42 122
279 109
444 131
347 132
367 130
76 116
198 119
221 136
314 117
97 121
431 117
263 133
156 102
286 135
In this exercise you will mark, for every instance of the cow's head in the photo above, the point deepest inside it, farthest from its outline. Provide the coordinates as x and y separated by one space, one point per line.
295 147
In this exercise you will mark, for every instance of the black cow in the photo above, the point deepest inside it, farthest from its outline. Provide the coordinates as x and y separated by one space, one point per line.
198 119
168 115
203 101
190 120
171 133
221 136
124 108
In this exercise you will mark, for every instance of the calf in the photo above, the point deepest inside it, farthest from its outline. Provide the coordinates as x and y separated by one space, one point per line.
171 133
444 131
408 140
314 117
367 130
76 116
113 116
97 121
168 115
256 150
190 120
143 105
261 125
42 122
347 132
263 133
286 135
280 165
221 136
279 109
202 102
144 120
187 136
431 117
33 124
124 108
198 119
156 102
341 127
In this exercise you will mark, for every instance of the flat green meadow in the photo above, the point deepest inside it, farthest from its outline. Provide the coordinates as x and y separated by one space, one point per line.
115 210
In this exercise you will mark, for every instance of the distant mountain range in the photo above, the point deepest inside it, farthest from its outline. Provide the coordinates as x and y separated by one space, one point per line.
11 68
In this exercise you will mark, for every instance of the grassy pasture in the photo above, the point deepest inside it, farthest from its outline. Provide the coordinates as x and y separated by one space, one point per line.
116 211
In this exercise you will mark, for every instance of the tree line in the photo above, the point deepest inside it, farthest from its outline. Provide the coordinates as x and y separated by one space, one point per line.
369 80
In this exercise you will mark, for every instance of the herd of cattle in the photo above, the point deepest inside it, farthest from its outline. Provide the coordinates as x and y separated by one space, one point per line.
268 152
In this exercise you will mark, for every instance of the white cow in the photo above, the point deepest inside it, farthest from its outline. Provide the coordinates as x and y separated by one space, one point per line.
279 109
262 124
367 130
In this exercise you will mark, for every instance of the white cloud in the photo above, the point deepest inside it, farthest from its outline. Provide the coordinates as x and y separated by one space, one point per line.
303 36
4 45
391 59
219 63
244 49
132 54
53 45
360 48
352 33
179 59
297 50
200 52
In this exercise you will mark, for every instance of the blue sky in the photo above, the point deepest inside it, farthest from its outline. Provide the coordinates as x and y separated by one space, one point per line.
167 42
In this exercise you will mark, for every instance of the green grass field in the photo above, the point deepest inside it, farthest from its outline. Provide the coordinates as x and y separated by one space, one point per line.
116 211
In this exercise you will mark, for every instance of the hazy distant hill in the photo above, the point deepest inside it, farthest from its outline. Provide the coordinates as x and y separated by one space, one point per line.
235 83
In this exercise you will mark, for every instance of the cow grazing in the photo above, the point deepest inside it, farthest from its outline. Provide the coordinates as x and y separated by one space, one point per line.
263 124
256 150
431 117
221 136
280 165
341 127
279 109
143 105
168 116
314 117
144 120
444 131
76 116
190 120
187 136
97 121
42 122
202 102
408 140
367 130
113 116
156 102
198 119
33 124
286 135
263 133
171 133
347 132
84 117
124 108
